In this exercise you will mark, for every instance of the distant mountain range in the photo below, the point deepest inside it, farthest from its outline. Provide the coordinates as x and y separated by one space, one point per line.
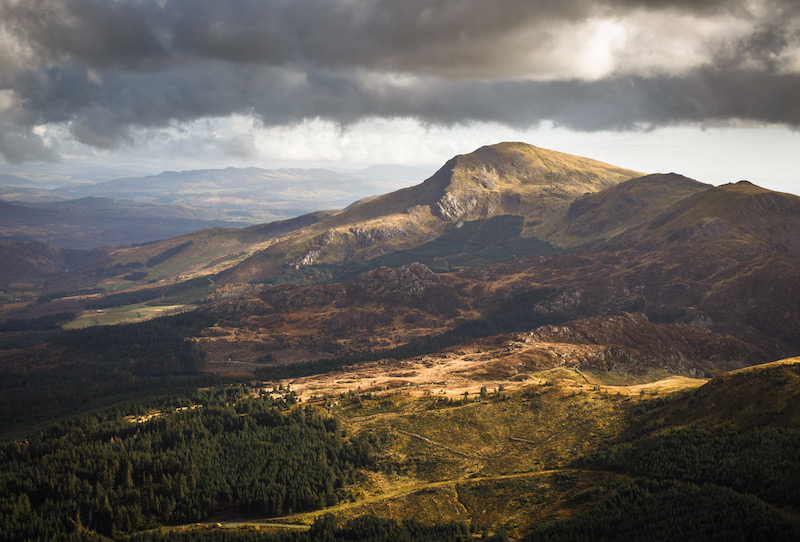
286 192
142 209
89 222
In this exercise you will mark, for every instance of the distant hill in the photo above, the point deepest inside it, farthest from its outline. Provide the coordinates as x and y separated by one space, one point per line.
604 214
28 260
12 211
536 183
91 222
252 194
13 180
143 209
731 211
25 195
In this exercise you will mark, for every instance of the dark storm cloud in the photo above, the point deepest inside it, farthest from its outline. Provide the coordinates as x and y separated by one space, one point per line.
381 34
103 68
102 113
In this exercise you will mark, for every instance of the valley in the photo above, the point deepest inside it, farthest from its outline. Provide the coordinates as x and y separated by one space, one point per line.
527 345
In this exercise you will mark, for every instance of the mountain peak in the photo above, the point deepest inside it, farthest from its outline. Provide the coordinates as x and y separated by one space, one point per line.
504 178
508 178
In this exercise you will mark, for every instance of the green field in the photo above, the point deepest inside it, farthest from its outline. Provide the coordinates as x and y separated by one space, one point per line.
123 315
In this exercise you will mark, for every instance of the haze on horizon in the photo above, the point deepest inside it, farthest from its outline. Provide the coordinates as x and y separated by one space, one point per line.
708 88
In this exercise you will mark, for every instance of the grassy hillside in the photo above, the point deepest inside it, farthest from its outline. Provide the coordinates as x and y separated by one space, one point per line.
741 211
557 454
28 260
484 207
692 477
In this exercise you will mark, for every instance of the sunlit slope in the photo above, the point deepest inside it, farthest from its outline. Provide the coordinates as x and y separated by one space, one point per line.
559 446
204 252
506 178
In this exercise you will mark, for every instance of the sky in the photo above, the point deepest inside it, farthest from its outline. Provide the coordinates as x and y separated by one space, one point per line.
706 88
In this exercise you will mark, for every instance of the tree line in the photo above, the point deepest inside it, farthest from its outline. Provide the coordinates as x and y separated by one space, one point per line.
220 449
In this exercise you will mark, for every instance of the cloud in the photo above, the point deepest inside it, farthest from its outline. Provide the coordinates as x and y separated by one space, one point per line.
107 70
451 38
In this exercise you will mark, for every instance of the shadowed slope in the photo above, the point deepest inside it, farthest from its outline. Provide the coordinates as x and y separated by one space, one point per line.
605 214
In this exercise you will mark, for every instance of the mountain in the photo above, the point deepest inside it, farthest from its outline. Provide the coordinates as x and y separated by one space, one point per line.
144 209
590 238
734 212
504 179
27 260
728 256
206 252
605 214
24 195
686 253
420 223
12 211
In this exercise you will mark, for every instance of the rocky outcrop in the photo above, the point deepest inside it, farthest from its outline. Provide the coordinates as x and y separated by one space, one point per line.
717 272
410 282
453 207
367 237
471 193
630 343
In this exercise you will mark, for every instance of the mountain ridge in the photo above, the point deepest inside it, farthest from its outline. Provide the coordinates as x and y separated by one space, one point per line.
506 178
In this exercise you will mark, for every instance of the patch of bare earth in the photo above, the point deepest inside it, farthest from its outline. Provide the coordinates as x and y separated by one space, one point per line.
509 364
